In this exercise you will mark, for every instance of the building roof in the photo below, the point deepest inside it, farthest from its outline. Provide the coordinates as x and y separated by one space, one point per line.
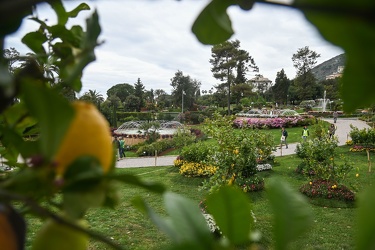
260 78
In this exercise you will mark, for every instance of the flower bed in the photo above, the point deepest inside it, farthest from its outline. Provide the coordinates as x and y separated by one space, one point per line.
360 148
276 122
327 190
251 184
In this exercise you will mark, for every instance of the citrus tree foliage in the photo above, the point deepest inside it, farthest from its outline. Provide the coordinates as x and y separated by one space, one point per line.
365 138
348 24
319 160
237 153
42 110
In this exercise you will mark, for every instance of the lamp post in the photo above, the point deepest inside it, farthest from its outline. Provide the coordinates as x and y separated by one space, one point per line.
182 105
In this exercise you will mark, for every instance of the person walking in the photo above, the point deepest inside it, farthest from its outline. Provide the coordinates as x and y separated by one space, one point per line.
116 145
122 147
305 133
335 115
332 130
284 135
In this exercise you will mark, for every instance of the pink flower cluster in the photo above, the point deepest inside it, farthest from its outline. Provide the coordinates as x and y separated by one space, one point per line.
276 122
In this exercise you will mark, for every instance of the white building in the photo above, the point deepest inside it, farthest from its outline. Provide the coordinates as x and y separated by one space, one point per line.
260 84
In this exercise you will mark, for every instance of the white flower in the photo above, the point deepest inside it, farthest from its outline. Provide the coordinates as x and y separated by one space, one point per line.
262 167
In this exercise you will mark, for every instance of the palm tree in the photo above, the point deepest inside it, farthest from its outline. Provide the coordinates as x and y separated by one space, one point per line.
94 97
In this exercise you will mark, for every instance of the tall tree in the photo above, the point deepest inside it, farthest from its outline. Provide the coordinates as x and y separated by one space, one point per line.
331 86
114 102
281 87
229 65
132 103
184 85
121 90
241 90
94 97
162 98
304 60
139 91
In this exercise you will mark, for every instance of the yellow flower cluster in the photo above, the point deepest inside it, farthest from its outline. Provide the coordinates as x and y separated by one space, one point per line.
194 169
349 142
334 186
178 163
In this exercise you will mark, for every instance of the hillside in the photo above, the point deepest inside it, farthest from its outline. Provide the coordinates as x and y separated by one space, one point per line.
328 67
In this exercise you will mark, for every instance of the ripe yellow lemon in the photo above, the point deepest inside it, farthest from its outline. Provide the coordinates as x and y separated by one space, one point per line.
57 236
88 134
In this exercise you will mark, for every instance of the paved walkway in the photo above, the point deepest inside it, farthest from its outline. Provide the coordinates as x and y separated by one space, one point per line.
342 132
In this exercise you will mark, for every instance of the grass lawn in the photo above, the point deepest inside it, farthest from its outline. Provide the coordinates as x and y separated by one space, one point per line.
333 227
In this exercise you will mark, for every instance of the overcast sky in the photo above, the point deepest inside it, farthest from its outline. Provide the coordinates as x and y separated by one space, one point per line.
152 40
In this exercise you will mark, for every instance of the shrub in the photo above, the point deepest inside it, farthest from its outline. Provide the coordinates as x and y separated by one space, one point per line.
318 160
183 137
159 146
197 152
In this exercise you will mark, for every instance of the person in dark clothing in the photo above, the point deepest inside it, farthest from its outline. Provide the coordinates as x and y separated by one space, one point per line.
284 136
116 145
332 130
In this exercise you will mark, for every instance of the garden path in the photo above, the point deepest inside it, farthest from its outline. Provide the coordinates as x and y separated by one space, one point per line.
342 132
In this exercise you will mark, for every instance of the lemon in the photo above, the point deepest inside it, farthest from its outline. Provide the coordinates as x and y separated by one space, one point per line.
56 236
87 135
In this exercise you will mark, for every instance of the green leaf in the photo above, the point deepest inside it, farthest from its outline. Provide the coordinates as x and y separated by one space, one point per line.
185 224
84 186
365 220
54 120
187 219
78 9
213 24
350 25
16 117
134 180
164 224
291 211
231 210
83 174
69 38
12 143
76 204
35 40
72 73
62 15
